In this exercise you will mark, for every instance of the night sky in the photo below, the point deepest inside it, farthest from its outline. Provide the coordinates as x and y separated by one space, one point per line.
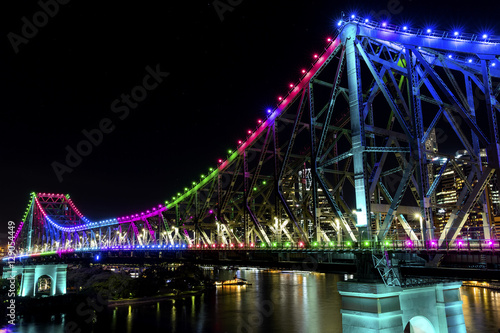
73 73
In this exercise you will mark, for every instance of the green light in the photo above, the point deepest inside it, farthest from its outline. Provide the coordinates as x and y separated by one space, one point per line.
202 176
264 182
178 194
275 244
315 244
185 189
173 198
366 243
348 243
331 243
386 242
255 188
263 245
194 183
230 151
288 244
211 169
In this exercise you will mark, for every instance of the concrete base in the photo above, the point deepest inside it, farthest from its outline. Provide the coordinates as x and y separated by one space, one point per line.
374 307
31 274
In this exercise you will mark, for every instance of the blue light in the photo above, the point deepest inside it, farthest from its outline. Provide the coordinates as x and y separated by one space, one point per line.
470 60
429 31
405 28
485 36
450 56
269 111
353 16
366 20
340 23
493 64
384 24
97 257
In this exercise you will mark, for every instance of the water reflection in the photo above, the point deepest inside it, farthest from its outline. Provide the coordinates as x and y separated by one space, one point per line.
481 309
275 302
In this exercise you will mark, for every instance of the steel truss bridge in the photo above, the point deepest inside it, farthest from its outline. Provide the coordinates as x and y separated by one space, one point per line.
349 158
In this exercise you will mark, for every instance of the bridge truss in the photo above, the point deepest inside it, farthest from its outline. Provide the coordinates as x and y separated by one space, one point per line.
356 151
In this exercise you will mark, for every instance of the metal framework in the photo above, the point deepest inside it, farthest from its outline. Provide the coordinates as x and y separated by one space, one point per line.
350 154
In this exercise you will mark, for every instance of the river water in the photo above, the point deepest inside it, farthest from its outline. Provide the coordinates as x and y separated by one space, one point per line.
275 302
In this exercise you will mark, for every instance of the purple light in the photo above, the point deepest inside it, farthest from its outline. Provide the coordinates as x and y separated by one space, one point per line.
211 211
433 243
269 111
490 243
409 243
460 243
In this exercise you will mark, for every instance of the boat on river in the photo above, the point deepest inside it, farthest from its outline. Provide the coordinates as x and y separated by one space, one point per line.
234 282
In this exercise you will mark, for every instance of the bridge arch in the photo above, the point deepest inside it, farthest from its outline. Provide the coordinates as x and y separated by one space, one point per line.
419 324
44 284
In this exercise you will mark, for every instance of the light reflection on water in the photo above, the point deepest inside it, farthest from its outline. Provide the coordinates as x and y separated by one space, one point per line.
275 302
481 309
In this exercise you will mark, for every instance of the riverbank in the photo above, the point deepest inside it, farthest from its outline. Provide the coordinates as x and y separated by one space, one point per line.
152 299
486 285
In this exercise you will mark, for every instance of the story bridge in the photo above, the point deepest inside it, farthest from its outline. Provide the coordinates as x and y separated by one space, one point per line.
386 144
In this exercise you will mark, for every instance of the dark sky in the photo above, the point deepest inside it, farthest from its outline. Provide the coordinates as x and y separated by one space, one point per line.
223 74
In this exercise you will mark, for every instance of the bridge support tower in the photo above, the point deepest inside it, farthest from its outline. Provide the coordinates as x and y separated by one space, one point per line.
375 307
31 273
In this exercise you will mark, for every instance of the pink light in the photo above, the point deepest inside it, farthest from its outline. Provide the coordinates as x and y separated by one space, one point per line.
291 85
328 39
315 56
249 132
197 245
206 245
460 243
232 245
301 244
190 246
251 245
240 142
490 243
409 243
222 245
220 161
433 243
280 98
213 245
303 71
241 244
210 211
259 121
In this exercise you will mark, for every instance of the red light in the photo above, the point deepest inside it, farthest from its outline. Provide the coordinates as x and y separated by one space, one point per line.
315 56
222 245
213 245
303 71
240 142
328 39
259 121
232 245
197 245
220 161
280 98
251 244
190 246
241 244
301 244
291 85
206 245
249 132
